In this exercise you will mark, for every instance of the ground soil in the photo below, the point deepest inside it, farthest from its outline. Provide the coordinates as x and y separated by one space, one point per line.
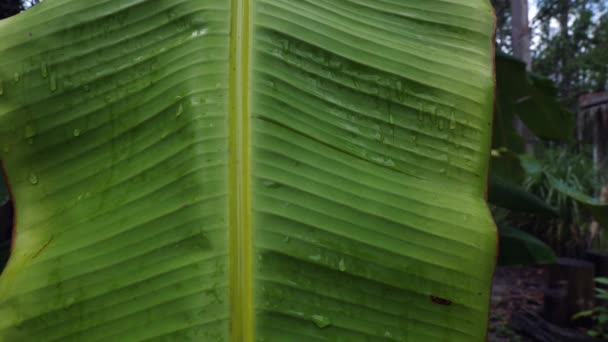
514 288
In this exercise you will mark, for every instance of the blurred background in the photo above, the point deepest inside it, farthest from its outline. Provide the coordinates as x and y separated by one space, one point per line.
548 183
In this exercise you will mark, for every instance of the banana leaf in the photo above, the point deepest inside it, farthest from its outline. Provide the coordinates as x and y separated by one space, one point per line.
507 173
531 98
597 208
268 170
517 247
506 194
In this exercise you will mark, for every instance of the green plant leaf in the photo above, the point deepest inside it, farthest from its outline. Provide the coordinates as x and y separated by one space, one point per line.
531 165
506 194
602 280
505 164
532 99
584 314
597 208
507 173
239 170
520 248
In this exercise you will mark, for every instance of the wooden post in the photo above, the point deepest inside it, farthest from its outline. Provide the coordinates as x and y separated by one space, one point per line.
600 262
577 277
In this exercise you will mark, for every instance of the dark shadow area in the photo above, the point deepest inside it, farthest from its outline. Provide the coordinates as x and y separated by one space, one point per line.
6 232
8 8
6 223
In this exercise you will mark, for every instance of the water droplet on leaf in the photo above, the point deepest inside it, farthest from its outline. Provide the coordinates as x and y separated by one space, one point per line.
271 184
315 257
342 265
33 178
453 121
44 70
30 131
180 110
321 321
53 83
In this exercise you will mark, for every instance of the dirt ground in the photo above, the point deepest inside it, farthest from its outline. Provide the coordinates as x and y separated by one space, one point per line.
514 288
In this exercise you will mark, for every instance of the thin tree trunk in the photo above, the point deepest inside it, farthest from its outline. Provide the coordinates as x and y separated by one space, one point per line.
520 34
564 15
520 41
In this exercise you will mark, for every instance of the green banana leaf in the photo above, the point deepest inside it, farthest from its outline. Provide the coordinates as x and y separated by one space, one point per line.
507 165
268 170
597 208
507 173
506 194
531 98
520 248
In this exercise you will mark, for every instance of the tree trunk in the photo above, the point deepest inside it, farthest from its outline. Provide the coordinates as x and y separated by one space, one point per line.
564 16
520 34
520 41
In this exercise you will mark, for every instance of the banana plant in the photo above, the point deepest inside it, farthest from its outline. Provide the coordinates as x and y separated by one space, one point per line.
268 170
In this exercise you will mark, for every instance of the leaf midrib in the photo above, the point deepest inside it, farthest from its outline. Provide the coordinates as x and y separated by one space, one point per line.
239 196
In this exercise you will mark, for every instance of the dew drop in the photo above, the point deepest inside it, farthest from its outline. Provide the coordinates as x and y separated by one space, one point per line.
1 88
33 178
286 239
271 184
69 301
195 101
315 257
44 70
30 131
420 114
76 132
335 63
198 21
399 86
440 124
16 77
342 265
321 321
453 121
180 110
53 83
